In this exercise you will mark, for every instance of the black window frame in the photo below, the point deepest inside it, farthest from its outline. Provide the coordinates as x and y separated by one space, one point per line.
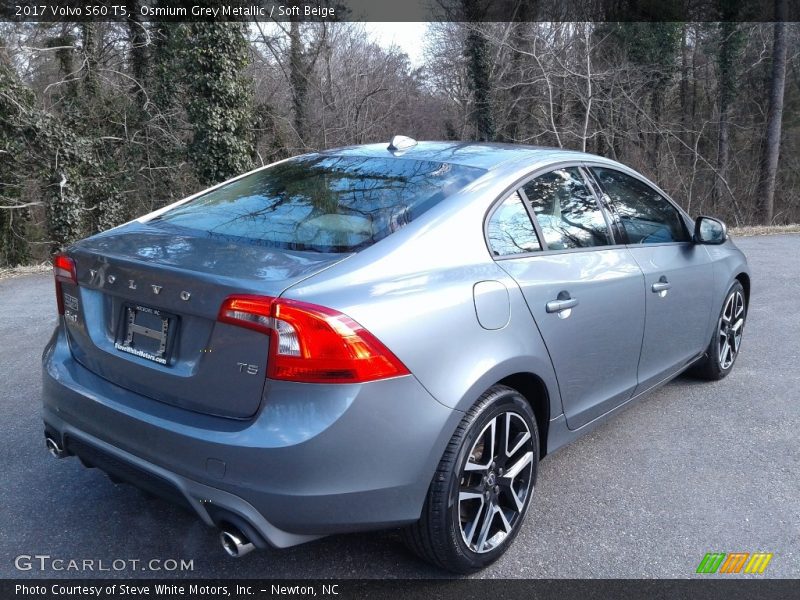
623 234
518 188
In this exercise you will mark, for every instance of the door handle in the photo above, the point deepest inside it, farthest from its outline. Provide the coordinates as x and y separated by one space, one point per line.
562 305
661 286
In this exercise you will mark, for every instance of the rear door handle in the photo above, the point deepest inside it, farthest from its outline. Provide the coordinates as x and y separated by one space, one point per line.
661 286
562 305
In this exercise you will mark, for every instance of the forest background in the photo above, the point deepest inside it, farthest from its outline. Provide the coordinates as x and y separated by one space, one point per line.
103 121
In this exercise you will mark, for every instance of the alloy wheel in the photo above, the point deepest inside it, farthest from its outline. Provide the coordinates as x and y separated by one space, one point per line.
496 482
731 327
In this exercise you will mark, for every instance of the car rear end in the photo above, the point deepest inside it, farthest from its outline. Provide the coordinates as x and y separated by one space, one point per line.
179 363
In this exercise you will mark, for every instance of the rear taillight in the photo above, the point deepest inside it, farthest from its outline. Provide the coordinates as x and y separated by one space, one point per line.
310 343
64 272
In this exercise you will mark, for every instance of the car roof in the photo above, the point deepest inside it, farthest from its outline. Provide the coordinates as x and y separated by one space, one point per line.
483 155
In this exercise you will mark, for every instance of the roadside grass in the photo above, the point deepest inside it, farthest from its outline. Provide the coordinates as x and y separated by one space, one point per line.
764 230
8 272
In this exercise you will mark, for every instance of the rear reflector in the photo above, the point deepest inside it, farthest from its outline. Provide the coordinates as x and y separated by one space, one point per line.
64 272
310 343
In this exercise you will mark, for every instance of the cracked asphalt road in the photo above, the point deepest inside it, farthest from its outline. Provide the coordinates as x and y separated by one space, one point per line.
693 468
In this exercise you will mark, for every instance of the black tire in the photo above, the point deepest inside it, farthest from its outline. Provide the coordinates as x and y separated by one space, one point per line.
713 366
439 536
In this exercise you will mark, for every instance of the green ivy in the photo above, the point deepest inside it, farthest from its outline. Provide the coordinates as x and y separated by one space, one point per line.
215 56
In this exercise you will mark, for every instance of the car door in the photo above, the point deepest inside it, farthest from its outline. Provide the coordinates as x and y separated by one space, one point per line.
584 291
677 274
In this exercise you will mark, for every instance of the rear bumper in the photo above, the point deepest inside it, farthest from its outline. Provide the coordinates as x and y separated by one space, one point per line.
315 459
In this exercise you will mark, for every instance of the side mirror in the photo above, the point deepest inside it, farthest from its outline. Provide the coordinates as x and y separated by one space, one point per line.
708 230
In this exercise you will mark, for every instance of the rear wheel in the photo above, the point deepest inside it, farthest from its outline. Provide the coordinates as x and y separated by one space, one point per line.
727 338
482 487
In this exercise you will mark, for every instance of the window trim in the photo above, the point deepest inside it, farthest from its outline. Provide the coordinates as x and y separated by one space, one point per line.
496 207
615 221
517 187
588 165
532 216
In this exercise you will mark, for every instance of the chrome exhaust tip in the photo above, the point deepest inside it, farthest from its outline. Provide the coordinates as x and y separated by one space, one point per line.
53 448
235 543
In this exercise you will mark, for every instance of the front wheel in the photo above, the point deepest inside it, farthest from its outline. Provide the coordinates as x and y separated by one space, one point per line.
727 338
483 486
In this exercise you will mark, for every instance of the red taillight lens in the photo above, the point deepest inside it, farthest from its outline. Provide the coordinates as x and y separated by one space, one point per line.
312 344
253 312
64 272
64 269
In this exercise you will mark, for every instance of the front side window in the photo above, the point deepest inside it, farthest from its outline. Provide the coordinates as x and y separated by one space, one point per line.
646 216
510 230
322 203
566 210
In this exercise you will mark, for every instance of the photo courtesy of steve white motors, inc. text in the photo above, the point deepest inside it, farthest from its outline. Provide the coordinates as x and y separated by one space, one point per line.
218 11
169 589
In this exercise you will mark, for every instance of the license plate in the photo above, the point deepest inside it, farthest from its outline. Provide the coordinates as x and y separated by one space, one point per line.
146 332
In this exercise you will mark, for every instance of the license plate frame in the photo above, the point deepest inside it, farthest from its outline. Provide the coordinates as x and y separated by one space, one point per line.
151 337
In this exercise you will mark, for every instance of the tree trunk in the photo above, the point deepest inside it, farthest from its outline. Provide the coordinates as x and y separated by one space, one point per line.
219 107
684 94
65 58
299 81
476 49
656 110
477 55
694 94
769 161
137 39
723 158
90 83
731 43
512 130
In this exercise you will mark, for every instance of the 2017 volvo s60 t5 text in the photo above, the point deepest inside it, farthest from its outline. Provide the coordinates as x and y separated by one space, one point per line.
382 336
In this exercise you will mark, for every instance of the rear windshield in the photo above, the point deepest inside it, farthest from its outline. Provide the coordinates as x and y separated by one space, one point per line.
323 203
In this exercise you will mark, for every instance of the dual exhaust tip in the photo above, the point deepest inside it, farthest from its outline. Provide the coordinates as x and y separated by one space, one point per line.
53 447
234 542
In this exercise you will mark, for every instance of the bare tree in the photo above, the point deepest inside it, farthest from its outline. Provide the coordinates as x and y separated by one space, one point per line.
766 189
98 121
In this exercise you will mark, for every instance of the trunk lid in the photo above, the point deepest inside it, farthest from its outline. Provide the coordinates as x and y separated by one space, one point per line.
144 314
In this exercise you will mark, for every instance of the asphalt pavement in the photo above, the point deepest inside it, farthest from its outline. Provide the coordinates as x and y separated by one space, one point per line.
693 468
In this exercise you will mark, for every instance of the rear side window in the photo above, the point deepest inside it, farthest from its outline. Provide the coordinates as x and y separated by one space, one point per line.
647 217
323 203
566 210
510 230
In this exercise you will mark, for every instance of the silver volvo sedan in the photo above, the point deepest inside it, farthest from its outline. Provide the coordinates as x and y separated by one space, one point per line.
382 336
